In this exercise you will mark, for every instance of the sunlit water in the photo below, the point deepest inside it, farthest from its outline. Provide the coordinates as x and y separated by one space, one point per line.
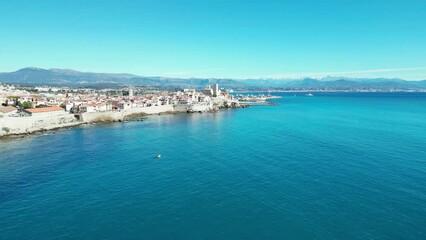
332 166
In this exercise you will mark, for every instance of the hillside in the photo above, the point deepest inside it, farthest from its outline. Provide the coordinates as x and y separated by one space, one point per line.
68 77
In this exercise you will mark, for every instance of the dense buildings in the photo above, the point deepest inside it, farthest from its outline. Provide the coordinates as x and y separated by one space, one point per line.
44 108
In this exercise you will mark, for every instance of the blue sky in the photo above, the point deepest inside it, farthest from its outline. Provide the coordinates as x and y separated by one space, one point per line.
220 38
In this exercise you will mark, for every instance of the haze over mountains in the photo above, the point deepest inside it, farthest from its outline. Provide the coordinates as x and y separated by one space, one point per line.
67 77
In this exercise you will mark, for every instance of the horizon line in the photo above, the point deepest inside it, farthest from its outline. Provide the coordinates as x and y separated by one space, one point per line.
277 77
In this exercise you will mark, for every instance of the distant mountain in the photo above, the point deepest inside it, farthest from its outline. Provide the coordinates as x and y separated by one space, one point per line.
68 77
38 76
337 83
58 76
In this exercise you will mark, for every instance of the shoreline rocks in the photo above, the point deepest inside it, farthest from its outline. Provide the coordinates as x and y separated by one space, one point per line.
23 126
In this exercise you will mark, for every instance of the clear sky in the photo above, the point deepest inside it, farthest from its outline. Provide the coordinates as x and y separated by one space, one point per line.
217 38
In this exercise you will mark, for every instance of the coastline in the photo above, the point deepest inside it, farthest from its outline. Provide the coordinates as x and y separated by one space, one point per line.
33 125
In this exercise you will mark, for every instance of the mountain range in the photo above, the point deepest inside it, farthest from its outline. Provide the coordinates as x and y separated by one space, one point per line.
68 77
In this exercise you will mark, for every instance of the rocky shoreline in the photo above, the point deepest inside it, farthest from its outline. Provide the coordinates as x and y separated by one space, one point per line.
37 126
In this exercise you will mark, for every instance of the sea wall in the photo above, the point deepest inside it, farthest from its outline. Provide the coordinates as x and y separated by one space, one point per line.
120 115
199 107
100 117
22 125
202 107
150 110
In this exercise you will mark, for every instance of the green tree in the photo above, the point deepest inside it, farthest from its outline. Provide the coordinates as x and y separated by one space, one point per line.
25 105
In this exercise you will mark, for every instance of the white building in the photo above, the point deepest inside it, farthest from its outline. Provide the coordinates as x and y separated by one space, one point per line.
95 107
88 108
45 112
124 105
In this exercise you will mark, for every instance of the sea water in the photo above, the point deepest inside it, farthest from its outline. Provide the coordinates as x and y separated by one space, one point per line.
331 166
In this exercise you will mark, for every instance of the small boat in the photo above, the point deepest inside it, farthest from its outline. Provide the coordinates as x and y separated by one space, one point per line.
158 155
309 95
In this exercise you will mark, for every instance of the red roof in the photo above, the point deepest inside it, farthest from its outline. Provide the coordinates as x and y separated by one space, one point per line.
45 109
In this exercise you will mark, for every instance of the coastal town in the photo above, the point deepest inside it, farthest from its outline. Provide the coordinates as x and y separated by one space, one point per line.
25 110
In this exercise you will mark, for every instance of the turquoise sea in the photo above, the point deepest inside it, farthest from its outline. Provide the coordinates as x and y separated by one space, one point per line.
332 166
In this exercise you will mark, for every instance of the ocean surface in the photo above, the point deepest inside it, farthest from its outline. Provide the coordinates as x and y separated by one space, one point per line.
331 166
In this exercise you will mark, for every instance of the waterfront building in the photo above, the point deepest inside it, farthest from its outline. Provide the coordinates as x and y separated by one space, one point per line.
124 105
88 108
45 111
185 101
95 107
